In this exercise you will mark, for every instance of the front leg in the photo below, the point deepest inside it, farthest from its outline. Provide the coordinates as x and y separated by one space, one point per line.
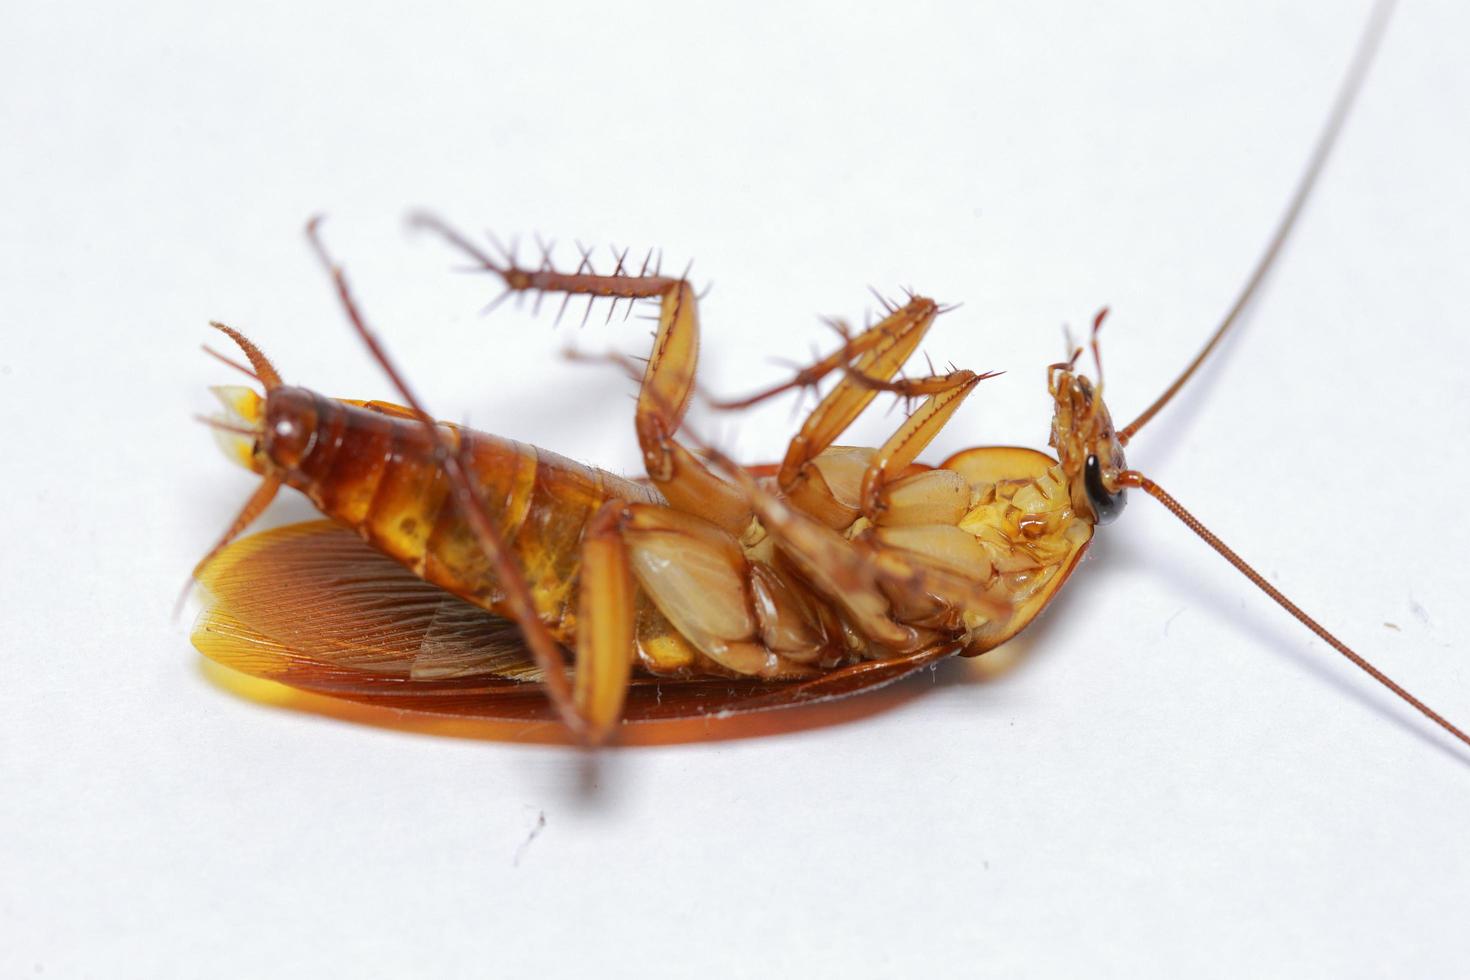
945 393
822 481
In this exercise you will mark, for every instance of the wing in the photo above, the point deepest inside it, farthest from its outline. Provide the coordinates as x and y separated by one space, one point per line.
314 607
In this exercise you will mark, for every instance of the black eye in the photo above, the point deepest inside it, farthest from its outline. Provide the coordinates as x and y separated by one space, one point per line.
1107 505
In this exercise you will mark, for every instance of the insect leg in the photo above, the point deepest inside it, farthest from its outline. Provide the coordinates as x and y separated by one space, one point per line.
946 393
875 335
520 606
668 380
835 568
826 484
935 573
606 623
668 383
898 336
699 578
829 563
859 580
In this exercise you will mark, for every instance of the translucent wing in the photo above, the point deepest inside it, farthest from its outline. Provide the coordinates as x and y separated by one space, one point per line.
313 606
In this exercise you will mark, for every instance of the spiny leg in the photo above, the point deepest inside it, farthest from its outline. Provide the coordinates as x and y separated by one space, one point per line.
893 340
668 380
863 578
827 486
935 572
810 375
858 580
828 562
518 602
945 395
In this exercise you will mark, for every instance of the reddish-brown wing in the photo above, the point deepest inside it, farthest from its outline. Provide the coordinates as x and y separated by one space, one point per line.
313 606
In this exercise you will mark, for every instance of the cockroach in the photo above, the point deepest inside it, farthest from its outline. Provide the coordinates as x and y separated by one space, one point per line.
459 568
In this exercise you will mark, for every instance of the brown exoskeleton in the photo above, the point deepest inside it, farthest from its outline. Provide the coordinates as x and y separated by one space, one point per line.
708 587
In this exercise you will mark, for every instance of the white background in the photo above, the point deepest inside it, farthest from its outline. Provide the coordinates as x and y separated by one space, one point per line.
1165 775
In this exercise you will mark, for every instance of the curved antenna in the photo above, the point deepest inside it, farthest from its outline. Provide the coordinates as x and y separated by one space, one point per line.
1346 96
265 371
1133 478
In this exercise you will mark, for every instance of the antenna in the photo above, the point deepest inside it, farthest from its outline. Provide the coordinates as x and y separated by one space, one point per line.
1346 96
1133 478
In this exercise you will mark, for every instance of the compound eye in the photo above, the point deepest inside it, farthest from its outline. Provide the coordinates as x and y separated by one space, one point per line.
1106 505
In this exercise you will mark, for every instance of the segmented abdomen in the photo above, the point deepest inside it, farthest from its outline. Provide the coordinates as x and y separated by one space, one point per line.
373 468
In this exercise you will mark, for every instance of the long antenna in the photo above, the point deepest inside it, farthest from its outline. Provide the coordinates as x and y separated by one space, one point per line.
1133 478
1346 96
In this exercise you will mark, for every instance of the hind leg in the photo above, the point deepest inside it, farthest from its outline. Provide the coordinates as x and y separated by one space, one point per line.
520 607
668 379
606 624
